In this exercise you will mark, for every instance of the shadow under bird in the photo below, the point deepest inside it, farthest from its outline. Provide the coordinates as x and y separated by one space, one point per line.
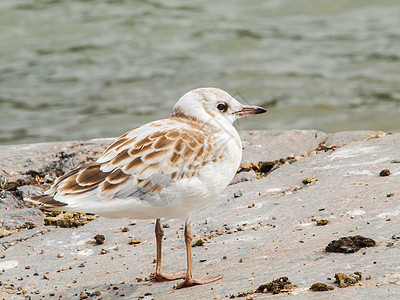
163 169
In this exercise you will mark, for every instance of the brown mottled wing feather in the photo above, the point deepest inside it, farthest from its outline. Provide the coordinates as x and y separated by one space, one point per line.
138 164
157 159
85 178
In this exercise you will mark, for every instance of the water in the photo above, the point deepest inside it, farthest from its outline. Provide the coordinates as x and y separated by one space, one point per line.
84 69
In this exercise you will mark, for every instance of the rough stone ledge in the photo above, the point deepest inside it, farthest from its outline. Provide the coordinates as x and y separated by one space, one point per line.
262 228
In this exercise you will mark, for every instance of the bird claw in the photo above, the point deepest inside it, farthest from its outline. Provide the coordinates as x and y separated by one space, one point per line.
168 277
202 280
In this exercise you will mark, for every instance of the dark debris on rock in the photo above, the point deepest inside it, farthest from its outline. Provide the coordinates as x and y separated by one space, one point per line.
349 244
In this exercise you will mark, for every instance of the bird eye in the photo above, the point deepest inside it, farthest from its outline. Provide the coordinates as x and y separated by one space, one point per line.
222 107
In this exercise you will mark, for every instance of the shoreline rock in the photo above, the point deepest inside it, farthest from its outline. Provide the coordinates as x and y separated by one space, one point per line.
268 232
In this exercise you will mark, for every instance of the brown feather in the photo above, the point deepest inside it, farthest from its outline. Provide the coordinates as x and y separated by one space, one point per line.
88 189
143 142
173 134
47 200
156 135
155 154
153 166
200 152
69 174
163 142
178 145
117 176
187 152
174 175
114 145
70 185
107 186
126 144
132 165
91 175
139 150
175 157
124 155
156 188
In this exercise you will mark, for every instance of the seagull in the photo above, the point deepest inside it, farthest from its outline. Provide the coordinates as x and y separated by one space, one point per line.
161 170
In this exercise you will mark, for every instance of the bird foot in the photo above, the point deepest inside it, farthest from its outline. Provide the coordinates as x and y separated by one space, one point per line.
168 277
202 280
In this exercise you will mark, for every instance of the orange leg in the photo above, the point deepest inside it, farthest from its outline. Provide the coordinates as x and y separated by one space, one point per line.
189 279
160 276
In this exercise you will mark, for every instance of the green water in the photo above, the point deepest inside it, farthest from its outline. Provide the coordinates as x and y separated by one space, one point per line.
85 69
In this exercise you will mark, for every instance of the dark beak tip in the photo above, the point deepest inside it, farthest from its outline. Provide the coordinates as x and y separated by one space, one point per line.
251 110
261 110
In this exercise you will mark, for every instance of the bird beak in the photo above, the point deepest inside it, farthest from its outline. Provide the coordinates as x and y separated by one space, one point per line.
248 110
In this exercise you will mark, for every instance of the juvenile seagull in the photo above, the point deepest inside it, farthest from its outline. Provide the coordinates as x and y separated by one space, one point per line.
164 169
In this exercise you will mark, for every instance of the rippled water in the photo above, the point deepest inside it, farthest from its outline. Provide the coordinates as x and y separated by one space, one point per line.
84 69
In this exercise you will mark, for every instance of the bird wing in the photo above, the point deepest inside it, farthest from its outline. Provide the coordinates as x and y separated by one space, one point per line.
142 164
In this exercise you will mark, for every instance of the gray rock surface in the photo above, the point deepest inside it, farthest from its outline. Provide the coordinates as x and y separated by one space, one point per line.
258 230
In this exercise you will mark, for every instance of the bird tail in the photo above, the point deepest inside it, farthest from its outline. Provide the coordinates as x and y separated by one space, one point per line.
47 201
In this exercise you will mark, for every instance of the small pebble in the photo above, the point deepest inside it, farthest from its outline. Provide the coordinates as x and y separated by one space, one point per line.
237 194
321 287
99 238
134 242
384 172
322 222
309 180
198 243
59 255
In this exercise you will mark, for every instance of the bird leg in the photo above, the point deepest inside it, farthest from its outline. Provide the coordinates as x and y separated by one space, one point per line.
189 280
160 276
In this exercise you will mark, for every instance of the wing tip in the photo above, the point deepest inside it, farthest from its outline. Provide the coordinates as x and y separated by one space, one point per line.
45 200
